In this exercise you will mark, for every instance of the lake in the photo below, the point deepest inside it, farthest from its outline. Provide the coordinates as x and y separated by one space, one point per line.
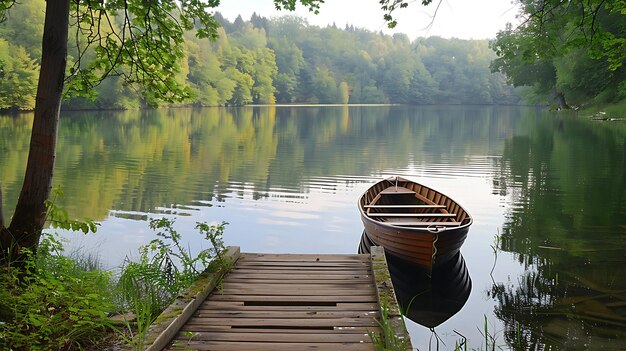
547 192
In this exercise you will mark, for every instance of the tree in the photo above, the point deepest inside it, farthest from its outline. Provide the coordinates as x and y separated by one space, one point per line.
289 61
142 44
325 86
18 74
561 44
344 93
28 219
25 32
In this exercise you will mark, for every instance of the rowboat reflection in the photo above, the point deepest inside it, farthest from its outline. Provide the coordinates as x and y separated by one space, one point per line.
428 299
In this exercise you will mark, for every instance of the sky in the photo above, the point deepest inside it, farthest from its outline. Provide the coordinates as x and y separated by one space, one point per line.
463 19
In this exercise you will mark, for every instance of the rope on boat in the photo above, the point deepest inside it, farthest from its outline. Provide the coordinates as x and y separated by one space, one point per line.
433 228
434 248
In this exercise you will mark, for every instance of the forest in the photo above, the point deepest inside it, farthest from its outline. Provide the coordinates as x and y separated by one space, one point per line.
277 60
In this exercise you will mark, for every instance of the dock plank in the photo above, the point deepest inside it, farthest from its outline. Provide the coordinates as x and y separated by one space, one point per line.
303 299
328 337
240 306
285 314
306 257
300 273
270 346
292 323
301 285
234 276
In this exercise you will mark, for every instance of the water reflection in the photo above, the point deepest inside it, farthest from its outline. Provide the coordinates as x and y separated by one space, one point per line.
427 299
139 161
567 179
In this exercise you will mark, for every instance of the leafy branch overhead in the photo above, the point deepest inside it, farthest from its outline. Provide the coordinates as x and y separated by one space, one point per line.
290 5
140 41
4 6
389 6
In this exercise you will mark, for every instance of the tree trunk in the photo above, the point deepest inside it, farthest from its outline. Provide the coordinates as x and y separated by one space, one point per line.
562 104
30 212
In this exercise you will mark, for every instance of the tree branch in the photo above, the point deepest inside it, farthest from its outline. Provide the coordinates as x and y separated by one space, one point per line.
593 21
4 6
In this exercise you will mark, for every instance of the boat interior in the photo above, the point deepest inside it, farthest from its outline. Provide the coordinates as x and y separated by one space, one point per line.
404 203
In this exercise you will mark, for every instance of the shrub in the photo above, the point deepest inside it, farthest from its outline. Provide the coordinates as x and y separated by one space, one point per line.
52 303
165 268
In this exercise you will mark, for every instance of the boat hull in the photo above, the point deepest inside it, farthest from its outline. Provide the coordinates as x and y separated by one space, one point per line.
415 223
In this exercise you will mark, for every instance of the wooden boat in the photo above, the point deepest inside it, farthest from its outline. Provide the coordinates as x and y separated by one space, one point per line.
428 298
414 222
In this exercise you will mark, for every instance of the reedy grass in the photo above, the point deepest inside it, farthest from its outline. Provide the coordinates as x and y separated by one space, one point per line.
135 333
388 339
164 269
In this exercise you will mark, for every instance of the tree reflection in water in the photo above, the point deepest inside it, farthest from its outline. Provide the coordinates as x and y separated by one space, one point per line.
566 226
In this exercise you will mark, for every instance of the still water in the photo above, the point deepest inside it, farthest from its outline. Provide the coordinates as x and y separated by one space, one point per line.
546 252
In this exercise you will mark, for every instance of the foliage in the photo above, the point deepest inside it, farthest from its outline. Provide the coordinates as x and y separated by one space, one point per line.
165 268
313 62
131 39
571 50
52 303
18 77
59 218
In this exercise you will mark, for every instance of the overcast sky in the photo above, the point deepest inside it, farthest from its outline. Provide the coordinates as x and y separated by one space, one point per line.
465 19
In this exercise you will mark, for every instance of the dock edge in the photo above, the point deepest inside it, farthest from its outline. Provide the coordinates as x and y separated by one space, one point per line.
387 295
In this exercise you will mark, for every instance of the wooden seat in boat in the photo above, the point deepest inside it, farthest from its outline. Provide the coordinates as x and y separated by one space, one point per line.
427 215
397 190
404 206
424 224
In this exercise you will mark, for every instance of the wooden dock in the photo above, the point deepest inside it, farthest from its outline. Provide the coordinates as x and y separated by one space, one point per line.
285 302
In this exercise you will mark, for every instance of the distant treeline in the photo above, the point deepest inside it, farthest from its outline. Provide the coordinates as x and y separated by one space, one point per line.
278 60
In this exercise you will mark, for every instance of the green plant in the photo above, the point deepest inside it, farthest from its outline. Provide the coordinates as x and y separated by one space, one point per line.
135 333
59 217
164 268
52 303
189 335
462 344
490 338
388 339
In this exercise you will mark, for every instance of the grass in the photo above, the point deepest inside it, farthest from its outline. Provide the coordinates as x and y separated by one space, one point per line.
388 339
63 302
615 110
